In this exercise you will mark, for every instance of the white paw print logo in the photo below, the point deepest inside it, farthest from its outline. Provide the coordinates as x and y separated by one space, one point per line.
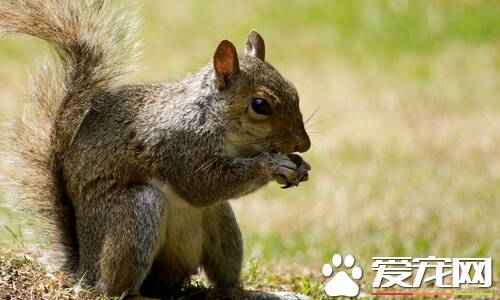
341 284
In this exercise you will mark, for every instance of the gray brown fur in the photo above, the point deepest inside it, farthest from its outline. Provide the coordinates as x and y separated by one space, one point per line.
137 178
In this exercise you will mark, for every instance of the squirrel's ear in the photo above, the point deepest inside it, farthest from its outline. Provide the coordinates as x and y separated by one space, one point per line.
255 45
226 63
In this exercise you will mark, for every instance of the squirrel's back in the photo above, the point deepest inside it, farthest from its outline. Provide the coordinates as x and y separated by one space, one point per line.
94 46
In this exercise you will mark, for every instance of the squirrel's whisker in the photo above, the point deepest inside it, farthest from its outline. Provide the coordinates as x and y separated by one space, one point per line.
312 115
315 123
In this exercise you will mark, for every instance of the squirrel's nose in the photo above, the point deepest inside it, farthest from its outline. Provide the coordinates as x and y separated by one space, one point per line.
303 144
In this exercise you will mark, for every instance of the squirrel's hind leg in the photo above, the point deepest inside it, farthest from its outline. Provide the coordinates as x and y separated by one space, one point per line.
132 238
222 250
166 277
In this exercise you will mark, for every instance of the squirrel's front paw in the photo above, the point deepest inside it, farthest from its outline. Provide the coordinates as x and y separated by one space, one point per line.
302 167
289 170
283 169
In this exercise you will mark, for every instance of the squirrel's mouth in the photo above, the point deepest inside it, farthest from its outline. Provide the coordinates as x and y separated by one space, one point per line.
254 153
235 146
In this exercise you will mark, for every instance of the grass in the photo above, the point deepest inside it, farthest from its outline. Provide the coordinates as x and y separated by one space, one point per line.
405 137
23 277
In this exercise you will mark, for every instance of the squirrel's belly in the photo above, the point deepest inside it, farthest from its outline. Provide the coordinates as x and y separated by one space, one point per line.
183 232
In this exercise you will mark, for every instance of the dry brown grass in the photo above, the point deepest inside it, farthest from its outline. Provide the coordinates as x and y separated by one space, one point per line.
22 277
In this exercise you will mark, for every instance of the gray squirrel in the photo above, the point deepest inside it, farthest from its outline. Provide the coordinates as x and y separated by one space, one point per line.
136 178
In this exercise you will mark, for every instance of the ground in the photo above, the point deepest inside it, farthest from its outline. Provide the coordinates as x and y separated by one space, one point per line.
22 277
402 100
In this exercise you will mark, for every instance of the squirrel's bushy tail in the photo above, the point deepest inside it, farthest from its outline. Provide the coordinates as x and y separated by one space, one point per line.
94 46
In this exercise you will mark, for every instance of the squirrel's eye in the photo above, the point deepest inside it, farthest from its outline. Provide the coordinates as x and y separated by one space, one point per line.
261 106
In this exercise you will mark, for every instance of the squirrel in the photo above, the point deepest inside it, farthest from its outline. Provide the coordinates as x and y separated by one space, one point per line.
136 178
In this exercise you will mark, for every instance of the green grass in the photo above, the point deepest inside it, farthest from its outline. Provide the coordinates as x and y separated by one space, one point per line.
405 139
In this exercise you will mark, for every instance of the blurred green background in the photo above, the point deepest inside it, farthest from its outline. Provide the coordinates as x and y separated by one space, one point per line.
405 105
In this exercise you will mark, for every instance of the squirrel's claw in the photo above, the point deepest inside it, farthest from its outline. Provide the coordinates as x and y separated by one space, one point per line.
302 178
289 185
